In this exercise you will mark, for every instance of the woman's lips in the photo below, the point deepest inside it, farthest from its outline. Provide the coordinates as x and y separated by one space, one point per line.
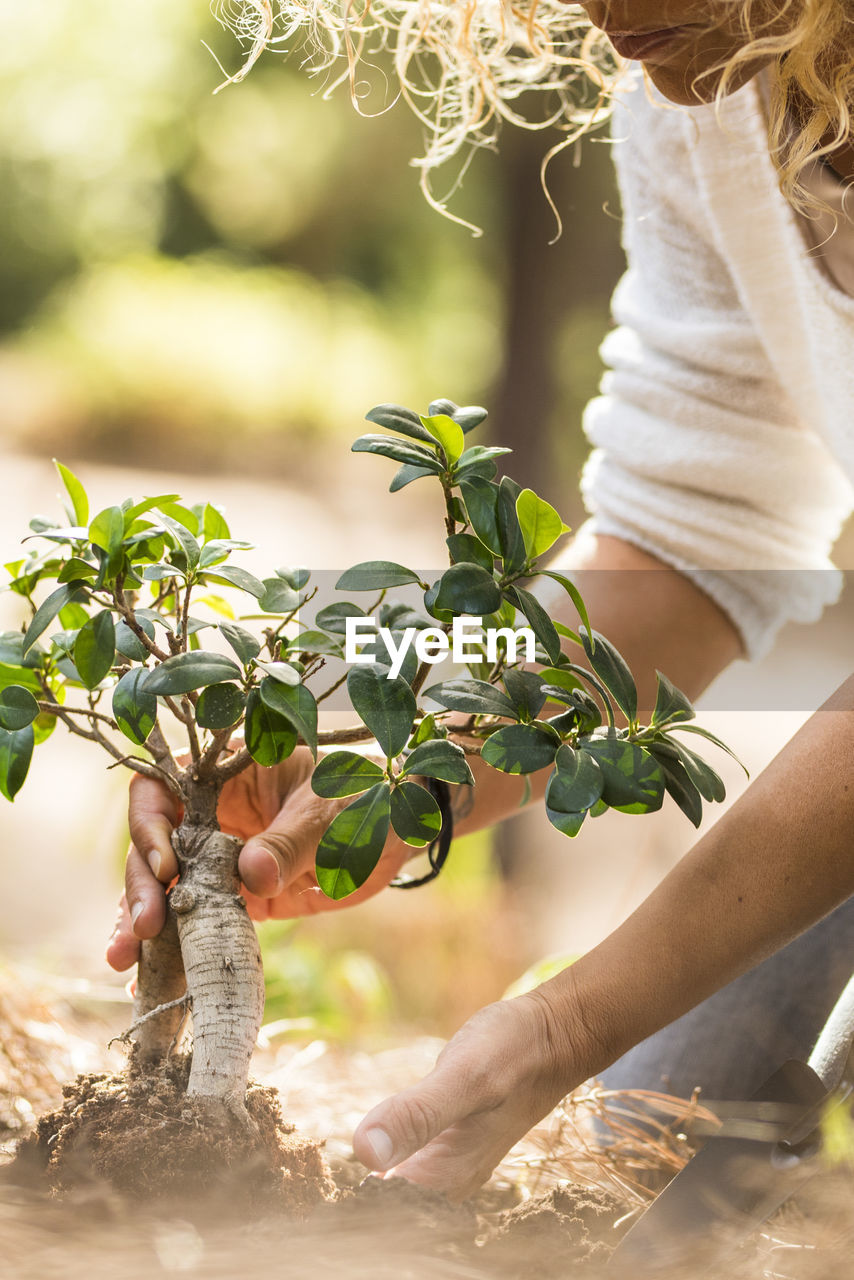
640 44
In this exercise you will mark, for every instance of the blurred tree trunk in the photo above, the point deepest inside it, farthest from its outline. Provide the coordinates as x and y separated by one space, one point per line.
543 283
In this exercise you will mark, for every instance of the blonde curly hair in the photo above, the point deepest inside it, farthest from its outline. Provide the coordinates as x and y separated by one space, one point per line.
811 47
465 67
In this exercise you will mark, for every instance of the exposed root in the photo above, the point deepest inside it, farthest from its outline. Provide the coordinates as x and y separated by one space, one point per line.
183 1002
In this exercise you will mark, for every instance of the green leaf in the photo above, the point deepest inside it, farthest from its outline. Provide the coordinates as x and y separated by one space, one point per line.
574 594
188 517
310 641
134 707
214 524
541 624
282 671
75 568
423 731
270 737
242 641
520 748
613 671
220 706
16 675
440 758
670 703
16 752
710 786
76 492
396 418
448 433
386 706
478 460
568 824
468 416
18 707
377 650
148 504
540 524
468 588
73 616
344 773
351 845
333 617
95 648
474 696
188 671
415 815
128 643
481 501
234 576
406 474
159 572
679 785
278 596
509 531
107 529
525 691
295 703
183 537
577 782
710 737
414 454
633 779
218 549
375 575
296 576
46 612
466 548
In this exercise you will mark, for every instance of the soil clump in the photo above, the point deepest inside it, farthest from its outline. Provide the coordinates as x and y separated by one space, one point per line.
142 1136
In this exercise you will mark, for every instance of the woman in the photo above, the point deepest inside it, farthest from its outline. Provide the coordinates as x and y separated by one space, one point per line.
720 478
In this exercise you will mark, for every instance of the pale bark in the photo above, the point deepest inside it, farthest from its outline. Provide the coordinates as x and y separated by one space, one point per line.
208 949
222 962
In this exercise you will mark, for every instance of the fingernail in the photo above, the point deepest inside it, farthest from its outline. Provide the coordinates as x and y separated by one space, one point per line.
155 862
136 911
275 861
382 1147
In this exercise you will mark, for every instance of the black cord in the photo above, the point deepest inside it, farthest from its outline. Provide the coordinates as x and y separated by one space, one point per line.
437 850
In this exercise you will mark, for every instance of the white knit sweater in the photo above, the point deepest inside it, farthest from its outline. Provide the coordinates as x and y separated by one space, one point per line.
724 437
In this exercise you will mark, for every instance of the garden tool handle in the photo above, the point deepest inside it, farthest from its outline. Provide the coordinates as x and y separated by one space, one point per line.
831 1056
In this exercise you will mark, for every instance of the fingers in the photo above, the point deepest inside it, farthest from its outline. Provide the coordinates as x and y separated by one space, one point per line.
146 896
123 947
403 1125
153 814
279 855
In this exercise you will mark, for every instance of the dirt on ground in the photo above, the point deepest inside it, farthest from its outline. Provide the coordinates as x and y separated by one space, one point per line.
140 1134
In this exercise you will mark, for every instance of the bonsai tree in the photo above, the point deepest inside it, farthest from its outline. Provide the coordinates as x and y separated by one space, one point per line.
130 632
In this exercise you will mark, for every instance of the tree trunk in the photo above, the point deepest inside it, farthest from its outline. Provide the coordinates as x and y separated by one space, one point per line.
221 961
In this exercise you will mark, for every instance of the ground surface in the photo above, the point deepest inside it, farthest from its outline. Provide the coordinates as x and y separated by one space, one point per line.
550 1212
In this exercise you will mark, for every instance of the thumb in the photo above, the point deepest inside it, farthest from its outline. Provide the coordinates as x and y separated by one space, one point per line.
402 1125
285 850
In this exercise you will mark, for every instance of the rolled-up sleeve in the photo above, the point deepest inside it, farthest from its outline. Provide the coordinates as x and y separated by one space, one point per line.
699 456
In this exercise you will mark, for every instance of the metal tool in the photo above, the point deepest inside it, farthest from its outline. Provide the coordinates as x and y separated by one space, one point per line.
736 1181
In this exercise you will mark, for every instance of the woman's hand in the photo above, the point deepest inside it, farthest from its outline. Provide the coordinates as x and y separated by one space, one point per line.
502 1072
281 820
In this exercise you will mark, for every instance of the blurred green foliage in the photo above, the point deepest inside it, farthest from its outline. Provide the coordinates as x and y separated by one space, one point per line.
186 275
